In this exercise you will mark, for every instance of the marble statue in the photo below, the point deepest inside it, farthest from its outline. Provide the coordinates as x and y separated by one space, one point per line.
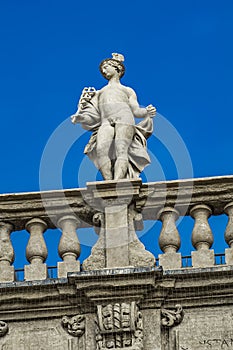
117 145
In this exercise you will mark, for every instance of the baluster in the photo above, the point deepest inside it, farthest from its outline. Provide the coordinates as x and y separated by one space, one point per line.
229 234
169 239
202 237
6 253
36 251
69 246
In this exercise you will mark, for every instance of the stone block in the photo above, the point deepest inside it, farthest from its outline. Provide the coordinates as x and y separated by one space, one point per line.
117 237
203 258
7 273
229 256
64 267
170 261
35 272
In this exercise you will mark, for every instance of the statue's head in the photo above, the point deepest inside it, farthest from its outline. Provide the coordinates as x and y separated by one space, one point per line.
3 328
116 62
75 325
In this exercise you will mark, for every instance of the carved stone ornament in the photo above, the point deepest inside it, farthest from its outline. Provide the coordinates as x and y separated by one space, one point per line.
117 145
170 318
3 328
119 326
74 325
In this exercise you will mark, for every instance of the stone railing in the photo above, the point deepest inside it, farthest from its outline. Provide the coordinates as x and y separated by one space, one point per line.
116 211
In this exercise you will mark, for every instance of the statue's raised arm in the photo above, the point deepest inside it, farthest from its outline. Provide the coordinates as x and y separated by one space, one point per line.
117 145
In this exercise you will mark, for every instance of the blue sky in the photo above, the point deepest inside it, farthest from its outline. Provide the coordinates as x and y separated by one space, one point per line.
178 56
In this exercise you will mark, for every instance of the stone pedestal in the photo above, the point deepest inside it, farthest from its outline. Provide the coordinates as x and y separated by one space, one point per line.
7 272
63 267
229 256
170 261
117 236
35 271
203 258
118 244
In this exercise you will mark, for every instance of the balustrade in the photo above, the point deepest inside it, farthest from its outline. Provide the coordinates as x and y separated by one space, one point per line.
202 237
169 239
69 246
36 251
6 253
229 233
73 209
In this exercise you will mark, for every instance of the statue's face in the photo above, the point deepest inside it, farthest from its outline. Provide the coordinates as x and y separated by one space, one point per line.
108 317
109 71
76 325
3 328
125 315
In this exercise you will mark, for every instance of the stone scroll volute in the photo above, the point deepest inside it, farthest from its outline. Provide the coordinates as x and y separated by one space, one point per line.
172 317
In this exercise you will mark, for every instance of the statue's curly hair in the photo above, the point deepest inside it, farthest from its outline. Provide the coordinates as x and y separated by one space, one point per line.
119 66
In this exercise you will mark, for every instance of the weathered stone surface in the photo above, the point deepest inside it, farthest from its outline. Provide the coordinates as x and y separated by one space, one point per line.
35 271
33 311
209 328
152 332
170 260
6 253
203 258
39 335
7 273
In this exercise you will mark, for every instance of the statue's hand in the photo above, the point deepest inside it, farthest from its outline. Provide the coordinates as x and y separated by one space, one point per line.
151 111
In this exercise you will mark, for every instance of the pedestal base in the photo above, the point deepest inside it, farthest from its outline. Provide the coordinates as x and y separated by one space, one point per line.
35 272
7 273
64 267
229 256
203 258
170 261
118 244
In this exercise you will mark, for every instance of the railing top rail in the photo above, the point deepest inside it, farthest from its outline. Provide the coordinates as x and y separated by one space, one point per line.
216 192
